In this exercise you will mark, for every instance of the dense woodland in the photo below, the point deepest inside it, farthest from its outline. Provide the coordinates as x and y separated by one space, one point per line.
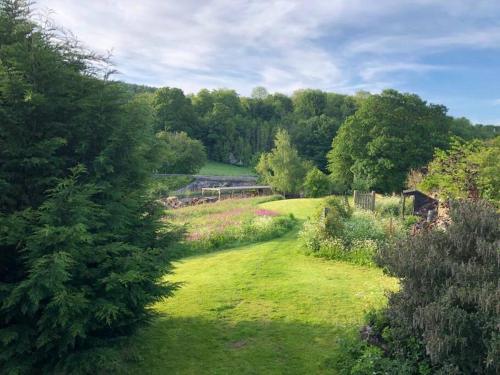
84 245
364 141
236 129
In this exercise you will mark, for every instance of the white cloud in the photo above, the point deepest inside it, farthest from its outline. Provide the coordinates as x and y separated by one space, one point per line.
283 45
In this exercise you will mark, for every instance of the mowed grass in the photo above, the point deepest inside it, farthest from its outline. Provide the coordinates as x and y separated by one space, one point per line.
259 309
300 208
213 168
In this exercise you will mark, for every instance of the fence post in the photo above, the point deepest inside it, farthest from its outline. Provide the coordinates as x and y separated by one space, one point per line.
355 198
373 201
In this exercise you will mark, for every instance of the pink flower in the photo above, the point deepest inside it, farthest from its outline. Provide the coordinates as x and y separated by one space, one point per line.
264 212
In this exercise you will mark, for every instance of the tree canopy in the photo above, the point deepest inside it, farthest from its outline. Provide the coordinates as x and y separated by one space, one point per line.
388 135
181 154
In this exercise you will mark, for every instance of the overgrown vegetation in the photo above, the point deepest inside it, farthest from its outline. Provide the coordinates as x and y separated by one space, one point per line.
466 170
228 223
338 232
444 318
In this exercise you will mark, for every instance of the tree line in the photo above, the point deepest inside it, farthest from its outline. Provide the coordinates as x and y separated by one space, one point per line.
364 141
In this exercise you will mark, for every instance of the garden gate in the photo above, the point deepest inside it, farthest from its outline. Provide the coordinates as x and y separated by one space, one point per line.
364 200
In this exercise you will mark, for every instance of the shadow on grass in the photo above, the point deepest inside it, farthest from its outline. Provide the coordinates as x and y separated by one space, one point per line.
200 346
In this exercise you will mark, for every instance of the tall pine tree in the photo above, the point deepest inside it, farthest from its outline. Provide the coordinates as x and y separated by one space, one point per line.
82 252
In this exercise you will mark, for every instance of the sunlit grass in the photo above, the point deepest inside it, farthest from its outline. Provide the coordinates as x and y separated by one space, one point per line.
300 208
213 168
260 309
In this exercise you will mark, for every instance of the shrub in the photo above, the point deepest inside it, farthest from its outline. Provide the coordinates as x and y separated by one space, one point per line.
446 312
340 205
316 184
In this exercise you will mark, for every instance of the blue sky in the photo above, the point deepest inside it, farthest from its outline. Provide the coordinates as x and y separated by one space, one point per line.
447 51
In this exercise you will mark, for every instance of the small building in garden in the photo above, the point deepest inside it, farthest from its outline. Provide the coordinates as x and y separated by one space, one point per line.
422 203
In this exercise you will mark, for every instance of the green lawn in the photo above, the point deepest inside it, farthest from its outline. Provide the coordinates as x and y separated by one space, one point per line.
300 208
213 168
264 308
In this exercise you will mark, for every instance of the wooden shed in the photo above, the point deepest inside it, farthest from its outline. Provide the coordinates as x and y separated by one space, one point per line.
422 203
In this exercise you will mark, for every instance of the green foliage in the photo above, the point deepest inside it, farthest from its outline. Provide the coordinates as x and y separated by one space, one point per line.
338 233
282 168
390 206
466 170
364 225
174 112
464 129
316 184
377 146
181 154
339 206
446 312
82 250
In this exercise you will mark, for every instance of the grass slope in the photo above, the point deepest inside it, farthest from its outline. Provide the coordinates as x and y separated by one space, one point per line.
259 309
300 208
213 168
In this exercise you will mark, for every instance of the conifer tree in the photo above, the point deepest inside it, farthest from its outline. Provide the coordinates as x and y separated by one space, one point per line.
82 252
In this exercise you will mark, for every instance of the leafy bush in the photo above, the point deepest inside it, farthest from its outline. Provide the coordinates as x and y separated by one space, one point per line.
466 170
340 205
341 234
446 312
360 252
316 184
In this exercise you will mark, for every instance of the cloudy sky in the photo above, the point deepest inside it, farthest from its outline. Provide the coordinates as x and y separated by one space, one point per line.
447 51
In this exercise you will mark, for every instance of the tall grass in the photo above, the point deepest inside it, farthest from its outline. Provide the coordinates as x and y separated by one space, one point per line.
228 223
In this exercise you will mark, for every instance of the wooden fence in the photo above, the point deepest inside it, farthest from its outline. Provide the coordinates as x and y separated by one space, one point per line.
364 200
